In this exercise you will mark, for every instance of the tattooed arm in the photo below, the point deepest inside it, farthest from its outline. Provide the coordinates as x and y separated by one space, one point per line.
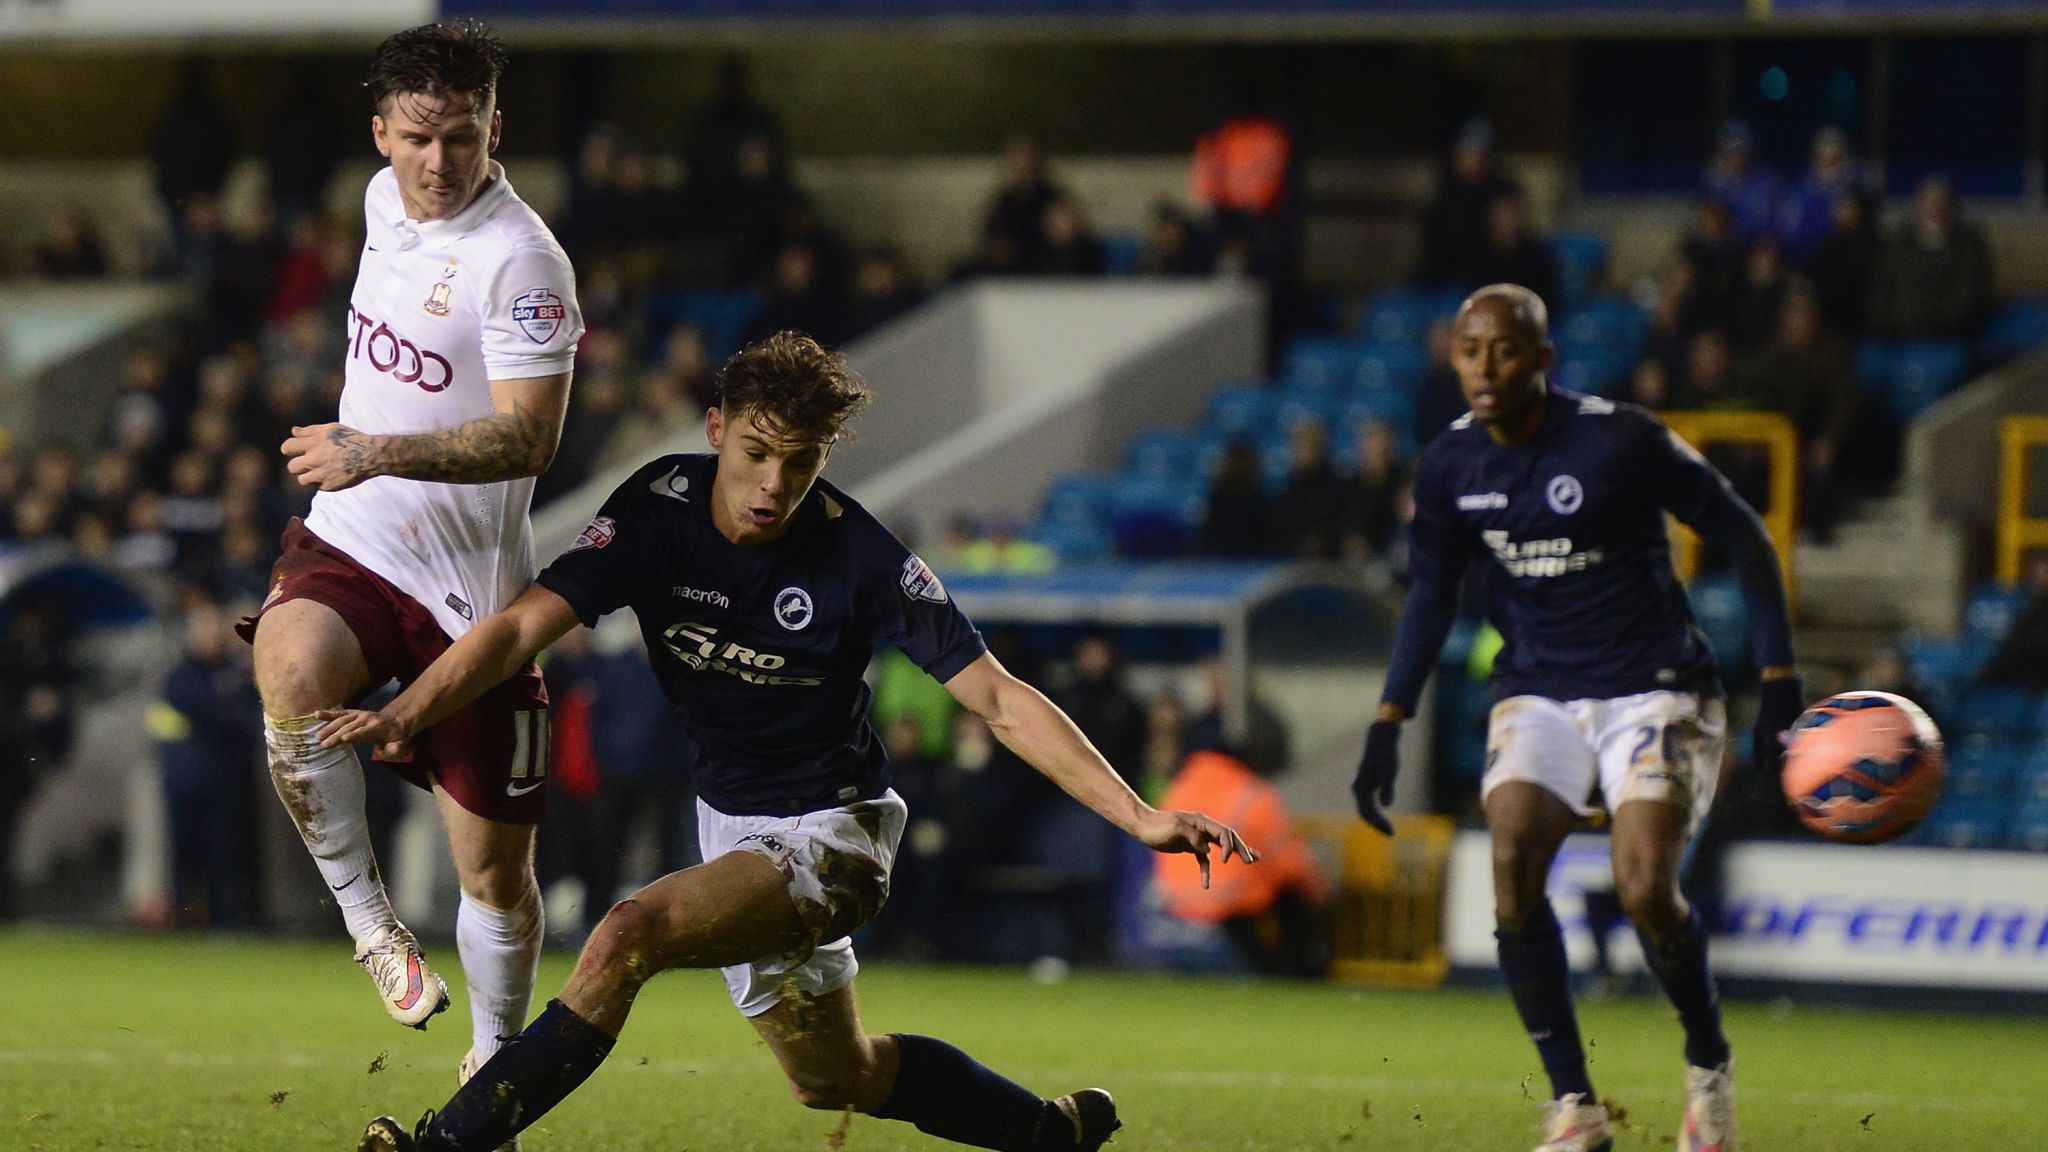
517 440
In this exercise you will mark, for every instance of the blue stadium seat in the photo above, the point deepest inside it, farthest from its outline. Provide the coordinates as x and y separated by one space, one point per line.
1152 518
1120 252
1923 372
722 317
2028 828
1581 259
1388 368
1276 458
1717 606
1402 316
1594 369
1604 321
1965 824
1944 665
1983 770
1162 454
2031 784
1876 364
2001 711
1296 407
1991 611
1079 498
1395 408
2021 325
1241 410
1321 364
1076 542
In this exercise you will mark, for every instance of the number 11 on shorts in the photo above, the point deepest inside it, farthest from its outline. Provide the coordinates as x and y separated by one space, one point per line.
530 744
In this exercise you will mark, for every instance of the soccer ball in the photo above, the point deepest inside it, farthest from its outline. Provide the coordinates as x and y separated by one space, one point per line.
1863 767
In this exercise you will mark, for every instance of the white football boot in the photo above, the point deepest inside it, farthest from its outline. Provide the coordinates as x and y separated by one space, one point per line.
412 992
1576 1124
470 1063
1709 1110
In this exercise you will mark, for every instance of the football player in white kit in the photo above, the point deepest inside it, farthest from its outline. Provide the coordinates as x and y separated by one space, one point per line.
462 328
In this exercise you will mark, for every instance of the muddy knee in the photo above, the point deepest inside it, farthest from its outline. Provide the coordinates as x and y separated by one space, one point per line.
825 1092
625 948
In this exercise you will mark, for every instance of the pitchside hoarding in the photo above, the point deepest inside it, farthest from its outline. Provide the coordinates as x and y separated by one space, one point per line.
1824 913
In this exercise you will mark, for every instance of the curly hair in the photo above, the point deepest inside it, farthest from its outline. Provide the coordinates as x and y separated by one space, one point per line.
792 387
457 58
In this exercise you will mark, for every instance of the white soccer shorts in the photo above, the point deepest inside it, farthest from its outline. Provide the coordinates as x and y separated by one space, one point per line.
838 863
1651 746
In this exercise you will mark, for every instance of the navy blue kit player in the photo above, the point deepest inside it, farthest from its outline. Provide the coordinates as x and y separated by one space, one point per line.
761 591
1604 690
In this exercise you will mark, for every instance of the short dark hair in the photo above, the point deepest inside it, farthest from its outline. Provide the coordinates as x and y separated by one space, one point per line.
460 57
792 387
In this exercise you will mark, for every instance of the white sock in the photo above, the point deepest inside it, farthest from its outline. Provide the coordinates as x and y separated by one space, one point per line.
323 790
500 958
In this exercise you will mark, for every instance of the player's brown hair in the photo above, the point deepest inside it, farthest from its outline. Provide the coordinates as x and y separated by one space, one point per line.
792 387
457 58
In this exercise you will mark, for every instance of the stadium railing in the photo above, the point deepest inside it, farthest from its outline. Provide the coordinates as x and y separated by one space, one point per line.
1774 432
2018 437
1388 903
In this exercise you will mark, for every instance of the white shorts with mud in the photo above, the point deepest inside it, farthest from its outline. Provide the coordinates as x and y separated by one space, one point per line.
1651 746
837 862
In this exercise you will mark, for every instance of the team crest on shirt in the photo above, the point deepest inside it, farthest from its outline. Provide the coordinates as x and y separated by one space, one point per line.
793 608
1564 495
921 583
437 301
599 534
539 313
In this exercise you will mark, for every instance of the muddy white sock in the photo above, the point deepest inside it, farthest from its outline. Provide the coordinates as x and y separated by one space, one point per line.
500 957
322 788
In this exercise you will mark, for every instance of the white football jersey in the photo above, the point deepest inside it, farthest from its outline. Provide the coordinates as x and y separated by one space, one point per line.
440 309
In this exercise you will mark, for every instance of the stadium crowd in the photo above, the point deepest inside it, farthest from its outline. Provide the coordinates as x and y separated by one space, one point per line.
682 255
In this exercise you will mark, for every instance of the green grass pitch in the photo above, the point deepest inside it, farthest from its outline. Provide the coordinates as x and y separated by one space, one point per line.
227 1045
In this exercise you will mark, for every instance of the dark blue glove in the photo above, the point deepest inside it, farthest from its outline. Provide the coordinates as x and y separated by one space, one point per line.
1779 704
1373 787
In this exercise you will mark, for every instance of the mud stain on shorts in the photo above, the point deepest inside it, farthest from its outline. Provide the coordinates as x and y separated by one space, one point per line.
854 888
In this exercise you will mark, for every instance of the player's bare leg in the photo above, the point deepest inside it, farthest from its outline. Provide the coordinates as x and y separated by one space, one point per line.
1528 825
833 1064
306 660
498 927
1649 847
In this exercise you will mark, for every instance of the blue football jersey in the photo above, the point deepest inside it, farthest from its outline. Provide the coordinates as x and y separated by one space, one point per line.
762 650
1571 523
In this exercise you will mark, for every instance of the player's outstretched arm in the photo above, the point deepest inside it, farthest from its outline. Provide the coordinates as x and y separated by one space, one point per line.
486 656
518 439
1035 729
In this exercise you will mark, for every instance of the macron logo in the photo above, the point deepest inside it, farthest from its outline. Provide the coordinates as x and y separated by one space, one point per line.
672 485
1482 501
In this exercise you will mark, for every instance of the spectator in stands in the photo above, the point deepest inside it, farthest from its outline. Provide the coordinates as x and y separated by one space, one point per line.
1242 169
1373 495
1759 297
1749 187
596 406
54 479
1240 516
883 289
192 145
912 923
1166 743
1173 247
1101 705
302 145
1675 318
1806 215
1069 246
1716 254
191 513
724 132
2022 654
142 546
206 722
798 300
1513 252
1808 374
1845 262
1272 915
1933 278
305 273
634 733
1457 224
70 250
1014 228
1441 400
1650 384
1312 505
36 675
1708 363
750 213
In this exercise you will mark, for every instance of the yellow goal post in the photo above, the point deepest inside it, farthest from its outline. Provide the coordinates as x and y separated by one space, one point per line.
1772 430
